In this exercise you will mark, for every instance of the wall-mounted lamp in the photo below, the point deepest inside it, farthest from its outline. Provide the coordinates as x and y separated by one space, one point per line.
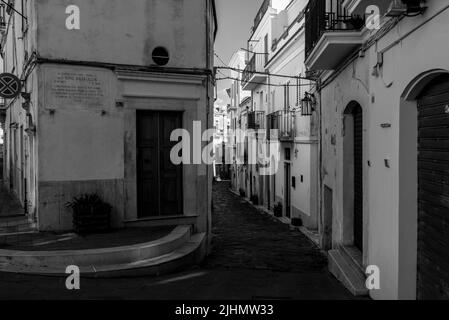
27 101
308 104
414 7
31 131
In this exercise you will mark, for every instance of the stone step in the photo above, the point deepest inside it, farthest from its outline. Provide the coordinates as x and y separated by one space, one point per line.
13 221
347 273
15 237
354 255
190 253
18 228
107 256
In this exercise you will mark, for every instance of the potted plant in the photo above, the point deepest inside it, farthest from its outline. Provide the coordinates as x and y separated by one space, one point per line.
90 214
278 210
297 222
255 200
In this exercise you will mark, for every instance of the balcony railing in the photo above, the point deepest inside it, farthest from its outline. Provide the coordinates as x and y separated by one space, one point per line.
282 121
254 72
327 16
256 120
260 14
272 126
286 125
249 70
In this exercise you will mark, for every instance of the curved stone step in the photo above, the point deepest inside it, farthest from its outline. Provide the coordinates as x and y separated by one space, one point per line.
192 252
14 221
108 256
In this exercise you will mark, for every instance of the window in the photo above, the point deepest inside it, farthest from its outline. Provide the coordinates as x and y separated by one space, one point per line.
298 92
266 48
287 154
287 96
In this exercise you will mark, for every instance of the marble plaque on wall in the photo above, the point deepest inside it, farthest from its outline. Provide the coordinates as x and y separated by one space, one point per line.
77 87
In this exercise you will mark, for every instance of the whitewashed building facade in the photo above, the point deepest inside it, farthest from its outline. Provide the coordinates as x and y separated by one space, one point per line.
384 97
99 87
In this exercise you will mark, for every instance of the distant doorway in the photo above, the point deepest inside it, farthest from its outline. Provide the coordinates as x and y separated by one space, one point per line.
288 178
159 181
353 173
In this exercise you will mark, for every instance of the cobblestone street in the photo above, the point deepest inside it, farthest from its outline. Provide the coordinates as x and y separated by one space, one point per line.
254 257
246 238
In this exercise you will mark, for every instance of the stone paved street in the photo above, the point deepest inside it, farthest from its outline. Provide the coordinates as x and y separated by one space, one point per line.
254 257
246 238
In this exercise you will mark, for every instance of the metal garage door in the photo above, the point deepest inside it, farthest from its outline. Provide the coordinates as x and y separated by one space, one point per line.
433 184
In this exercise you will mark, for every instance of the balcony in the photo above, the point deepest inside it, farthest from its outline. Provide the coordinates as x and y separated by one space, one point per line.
331 34
286 125
283 122
254 73
256 120
358 7
260 14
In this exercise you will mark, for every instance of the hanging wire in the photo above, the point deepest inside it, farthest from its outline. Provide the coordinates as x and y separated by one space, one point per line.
267 74
263 83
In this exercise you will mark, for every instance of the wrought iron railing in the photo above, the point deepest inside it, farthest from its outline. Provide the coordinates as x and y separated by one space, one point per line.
256 120
286 124
327 15
280 125
256 65
272 126
249 70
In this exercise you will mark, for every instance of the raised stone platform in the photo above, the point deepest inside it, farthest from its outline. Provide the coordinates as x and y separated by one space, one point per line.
109 258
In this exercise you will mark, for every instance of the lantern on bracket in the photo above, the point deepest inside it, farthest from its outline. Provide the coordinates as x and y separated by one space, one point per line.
414 7
26 101
308 104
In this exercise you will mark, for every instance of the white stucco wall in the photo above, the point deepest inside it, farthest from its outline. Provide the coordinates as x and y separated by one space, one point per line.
141 25
389 224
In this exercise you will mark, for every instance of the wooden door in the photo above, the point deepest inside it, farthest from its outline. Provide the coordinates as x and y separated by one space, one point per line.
159 181
287 184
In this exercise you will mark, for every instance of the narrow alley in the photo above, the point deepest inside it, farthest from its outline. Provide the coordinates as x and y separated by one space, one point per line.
245 238
253 257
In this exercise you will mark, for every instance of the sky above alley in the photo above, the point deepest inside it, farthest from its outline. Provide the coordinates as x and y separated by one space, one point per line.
235 19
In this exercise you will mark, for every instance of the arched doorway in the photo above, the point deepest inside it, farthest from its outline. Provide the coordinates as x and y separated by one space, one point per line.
353 174
433 190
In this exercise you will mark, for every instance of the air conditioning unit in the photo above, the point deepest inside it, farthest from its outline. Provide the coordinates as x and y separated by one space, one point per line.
397 8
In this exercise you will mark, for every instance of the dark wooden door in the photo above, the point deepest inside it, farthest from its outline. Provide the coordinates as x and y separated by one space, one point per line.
358 177
287 184
433 191
159 181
